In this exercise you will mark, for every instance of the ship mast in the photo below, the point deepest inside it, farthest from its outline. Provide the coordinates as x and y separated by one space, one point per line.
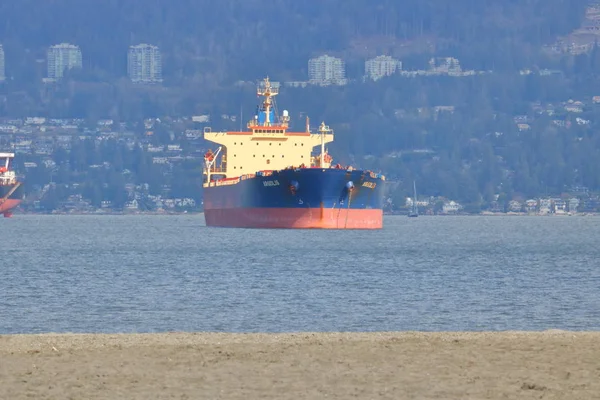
267 91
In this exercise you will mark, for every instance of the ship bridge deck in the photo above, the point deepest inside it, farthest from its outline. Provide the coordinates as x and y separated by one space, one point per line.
265 148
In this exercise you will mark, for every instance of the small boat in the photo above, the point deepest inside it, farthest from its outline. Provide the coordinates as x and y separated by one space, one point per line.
11 190
414 212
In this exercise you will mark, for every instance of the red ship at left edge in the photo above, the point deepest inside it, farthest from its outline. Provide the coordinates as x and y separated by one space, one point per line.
11 190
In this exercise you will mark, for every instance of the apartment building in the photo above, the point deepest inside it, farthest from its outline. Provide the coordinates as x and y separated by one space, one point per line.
326 70
63 57
144 64
380 66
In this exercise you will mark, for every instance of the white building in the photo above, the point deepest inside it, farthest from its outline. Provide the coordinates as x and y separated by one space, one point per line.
327 70
378 67
445 65
144 64
63 57
2 72
450 207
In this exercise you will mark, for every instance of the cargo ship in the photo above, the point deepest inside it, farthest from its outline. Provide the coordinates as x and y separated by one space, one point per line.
11 190
269 176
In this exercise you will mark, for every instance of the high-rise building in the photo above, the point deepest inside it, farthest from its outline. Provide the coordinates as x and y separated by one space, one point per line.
2 72
327 70
144 64
378 67
63 57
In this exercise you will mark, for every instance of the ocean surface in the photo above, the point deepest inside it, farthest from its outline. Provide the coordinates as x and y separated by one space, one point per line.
172 273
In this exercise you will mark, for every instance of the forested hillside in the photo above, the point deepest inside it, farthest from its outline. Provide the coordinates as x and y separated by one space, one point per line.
467 138
231 38
208 45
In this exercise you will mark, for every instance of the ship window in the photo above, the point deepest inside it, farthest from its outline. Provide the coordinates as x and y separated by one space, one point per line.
270 144
234 143
273 156
254 155
263 155
295 144
257 143
301 144
282 156
280 144
235 155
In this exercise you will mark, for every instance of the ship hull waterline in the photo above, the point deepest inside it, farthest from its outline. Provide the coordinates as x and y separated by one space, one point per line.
297 199
8 204
294 218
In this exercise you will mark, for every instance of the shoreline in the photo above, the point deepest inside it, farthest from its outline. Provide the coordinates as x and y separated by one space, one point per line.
431 365
114 213
15 341
481 214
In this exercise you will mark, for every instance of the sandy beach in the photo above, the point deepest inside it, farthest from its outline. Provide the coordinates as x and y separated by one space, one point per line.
403 365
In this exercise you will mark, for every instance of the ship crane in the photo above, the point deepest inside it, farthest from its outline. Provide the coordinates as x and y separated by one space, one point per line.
324 158
323 129
210 161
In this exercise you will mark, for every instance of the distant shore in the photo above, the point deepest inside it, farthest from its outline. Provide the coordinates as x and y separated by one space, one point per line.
395 365
112 213
482 214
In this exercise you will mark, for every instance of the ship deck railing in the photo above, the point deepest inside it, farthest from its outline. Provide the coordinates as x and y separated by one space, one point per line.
217 171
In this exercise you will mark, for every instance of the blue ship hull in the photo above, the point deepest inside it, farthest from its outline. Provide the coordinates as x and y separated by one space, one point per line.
300 198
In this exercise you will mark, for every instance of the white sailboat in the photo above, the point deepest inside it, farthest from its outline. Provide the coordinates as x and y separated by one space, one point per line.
414 212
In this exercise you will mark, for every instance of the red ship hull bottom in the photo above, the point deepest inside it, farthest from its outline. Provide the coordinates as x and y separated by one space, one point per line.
7 207
296 218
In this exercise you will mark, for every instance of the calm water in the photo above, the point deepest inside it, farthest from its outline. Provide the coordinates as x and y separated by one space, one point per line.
172 273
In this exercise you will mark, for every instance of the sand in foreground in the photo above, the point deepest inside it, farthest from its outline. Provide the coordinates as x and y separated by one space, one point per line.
507 365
